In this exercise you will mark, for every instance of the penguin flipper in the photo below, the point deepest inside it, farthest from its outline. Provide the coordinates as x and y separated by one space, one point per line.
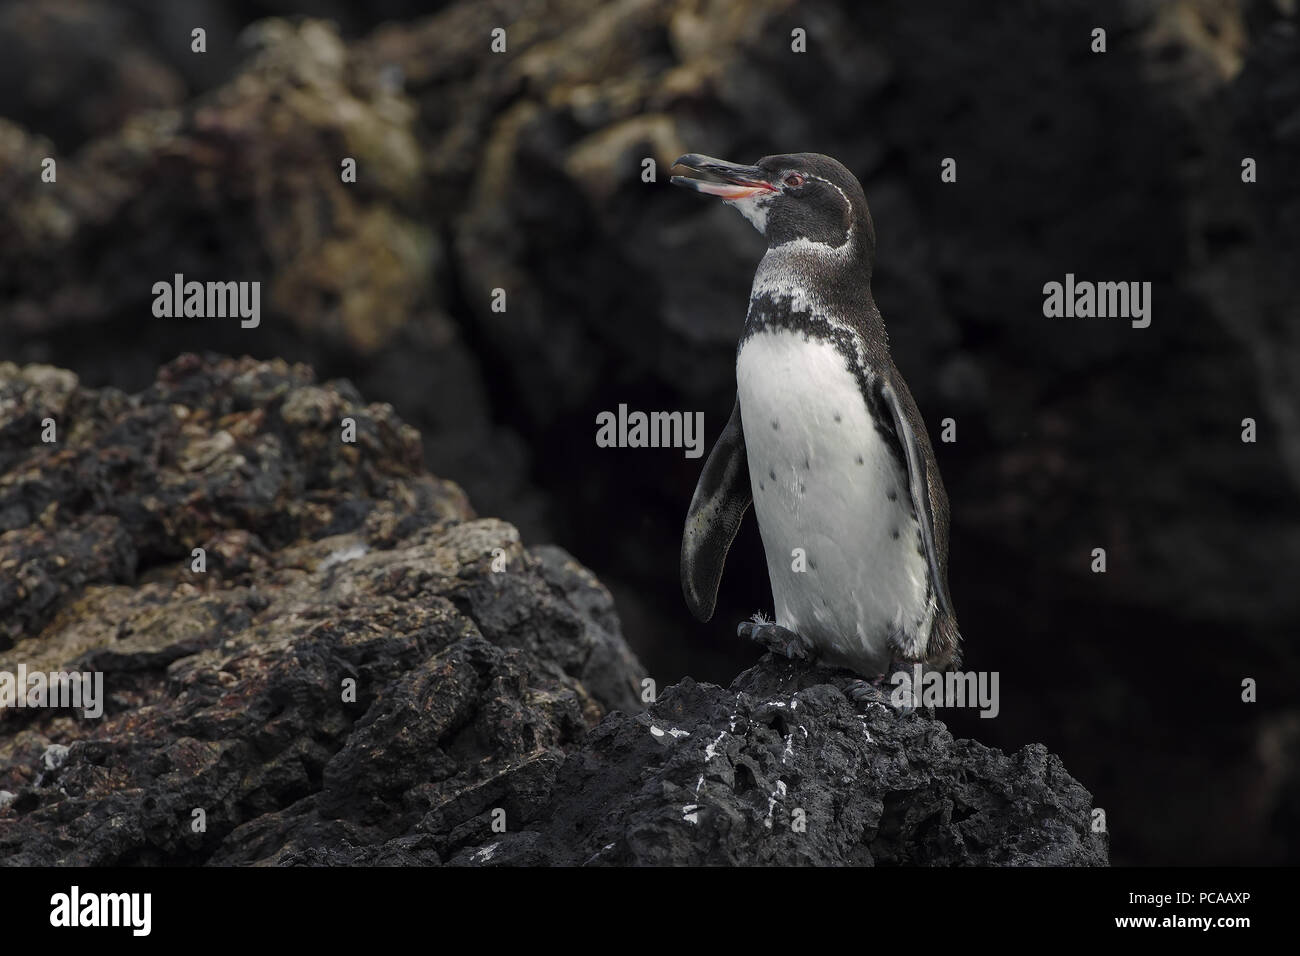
918 480
721 498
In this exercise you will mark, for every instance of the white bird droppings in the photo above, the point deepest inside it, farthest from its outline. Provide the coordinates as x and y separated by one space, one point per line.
350 553
674 732
54 756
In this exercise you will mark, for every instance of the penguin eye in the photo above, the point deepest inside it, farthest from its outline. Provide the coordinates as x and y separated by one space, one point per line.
794 180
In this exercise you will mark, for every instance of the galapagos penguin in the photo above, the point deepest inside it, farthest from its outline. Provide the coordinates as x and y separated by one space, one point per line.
824 439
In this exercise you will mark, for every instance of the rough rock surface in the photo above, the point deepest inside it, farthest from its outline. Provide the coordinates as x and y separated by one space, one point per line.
245 183
781 769
480 668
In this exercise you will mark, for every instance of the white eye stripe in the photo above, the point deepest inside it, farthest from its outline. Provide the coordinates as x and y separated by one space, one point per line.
834 187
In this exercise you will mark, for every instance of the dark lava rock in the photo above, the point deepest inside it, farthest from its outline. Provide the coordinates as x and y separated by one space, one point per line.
327 562
367 673
75 70
244 182
781 769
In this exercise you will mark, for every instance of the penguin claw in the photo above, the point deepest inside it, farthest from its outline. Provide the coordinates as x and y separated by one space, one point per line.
864 693
884 692
777 639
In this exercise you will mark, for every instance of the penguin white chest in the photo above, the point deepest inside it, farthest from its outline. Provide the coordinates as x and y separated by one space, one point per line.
843 545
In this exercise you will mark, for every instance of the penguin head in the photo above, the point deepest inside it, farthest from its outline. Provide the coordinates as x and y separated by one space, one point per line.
790 197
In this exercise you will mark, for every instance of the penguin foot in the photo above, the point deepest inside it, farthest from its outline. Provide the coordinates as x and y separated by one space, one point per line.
896 694
777 639
865 693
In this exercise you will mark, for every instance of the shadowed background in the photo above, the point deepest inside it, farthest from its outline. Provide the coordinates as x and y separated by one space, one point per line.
522 171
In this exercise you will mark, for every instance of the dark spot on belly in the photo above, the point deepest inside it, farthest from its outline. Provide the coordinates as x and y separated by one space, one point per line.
859 459
812 565
760 486
775 425
806 465
801 487
895 534
771 473
892 494
837 418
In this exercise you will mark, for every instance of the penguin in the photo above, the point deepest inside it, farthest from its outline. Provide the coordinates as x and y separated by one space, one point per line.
825 440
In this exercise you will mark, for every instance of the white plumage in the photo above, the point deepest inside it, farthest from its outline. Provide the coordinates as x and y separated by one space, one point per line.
824 481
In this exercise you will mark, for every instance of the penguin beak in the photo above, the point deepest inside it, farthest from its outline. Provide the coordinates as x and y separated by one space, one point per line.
737 182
